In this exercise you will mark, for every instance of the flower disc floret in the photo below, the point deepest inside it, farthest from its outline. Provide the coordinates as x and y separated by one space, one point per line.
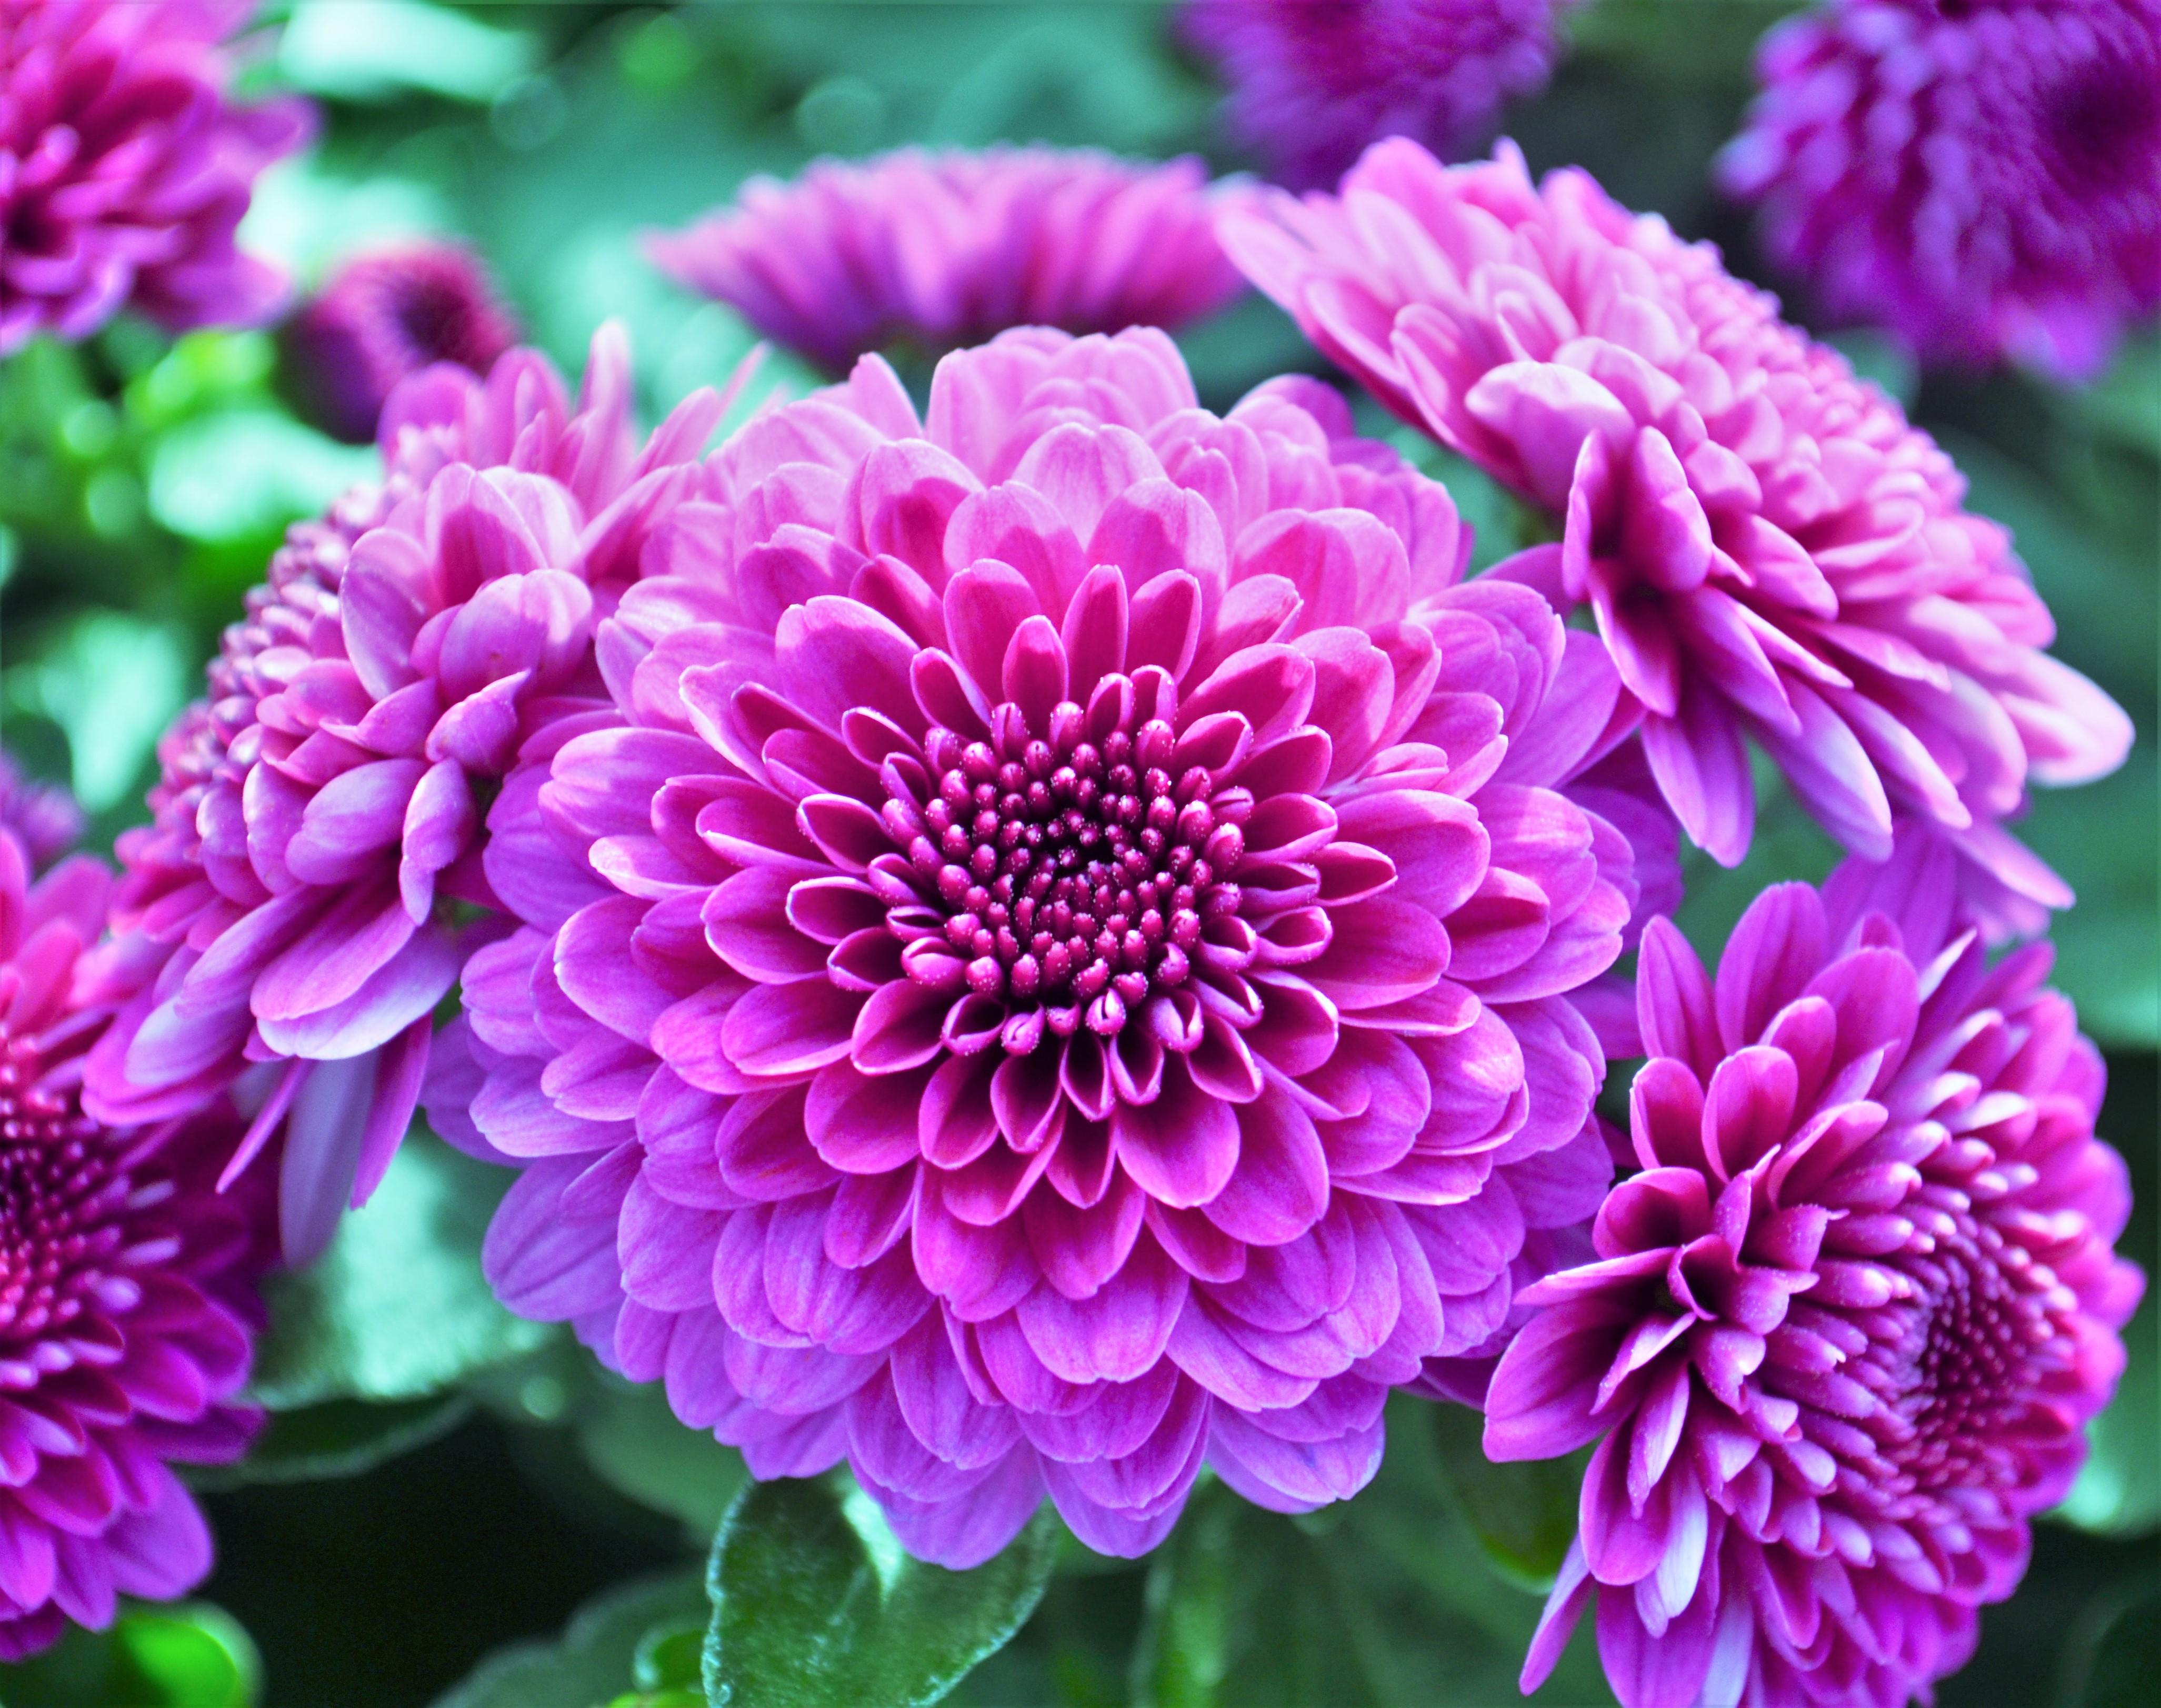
1061 967
1846 1323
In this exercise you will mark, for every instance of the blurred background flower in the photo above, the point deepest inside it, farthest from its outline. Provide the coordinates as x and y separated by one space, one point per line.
1980 178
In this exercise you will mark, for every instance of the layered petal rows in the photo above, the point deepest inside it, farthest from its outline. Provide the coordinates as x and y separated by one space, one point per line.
125 168
1769 549
1057 969
1845 1324
1981 181
937 249
316 868
127 1309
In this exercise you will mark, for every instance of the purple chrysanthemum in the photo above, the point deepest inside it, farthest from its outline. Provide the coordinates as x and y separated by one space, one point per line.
1982 179
124 169
44 816
1844 1328
126 1308
1769 547
1061 969
942 249
1314 81
309 885
390 313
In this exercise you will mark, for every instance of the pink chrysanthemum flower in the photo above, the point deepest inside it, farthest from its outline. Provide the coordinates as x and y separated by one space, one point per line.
304 896
941 248
124 169
125 1304
44 816
390 313
1769 548
1314 81
1060 970
1982 179
1844 1328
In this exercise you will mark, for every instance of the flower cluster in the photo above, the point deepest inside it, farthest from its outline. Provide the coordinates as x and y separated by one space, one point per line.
1057 969
126 1301
315 869
390 313
940 249
124 169
1314 81
1037 939
1769 548
1845 1323
1979 180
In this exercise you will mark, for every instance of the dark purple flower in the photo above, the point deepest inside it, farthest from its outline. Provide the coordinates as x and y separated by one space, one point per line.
126 1309
1061 966
390 313
945 247
1314 81
1981 178
317 864
124 169
1842 1331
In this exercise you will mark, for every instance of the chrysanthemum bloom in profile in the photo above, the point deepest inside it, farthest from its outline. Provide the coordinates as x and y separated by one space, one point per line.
939 248
124 169
1981 180
1769 548
317 862
387 315
1059 971
1314 81
1843 1328
44 816
126 1313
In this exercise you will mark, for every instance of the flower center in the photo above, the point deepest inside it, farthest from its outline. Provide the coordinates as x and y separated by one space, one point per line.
54 1233
1967 1357
2103 123
1076 872
31 1113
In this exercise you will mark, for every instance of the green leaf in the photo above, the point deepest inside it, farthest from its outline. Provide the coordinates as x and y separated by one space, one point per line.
397 1309
113 681
1389 1599
633 1440
2118 1492
1523 1515
598 1655
369 50
816 1606
339 1437
242 473
192 1655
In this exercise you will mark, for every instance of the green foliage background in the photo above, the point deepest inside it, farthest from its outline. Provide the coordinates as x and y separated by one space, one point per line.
453 1508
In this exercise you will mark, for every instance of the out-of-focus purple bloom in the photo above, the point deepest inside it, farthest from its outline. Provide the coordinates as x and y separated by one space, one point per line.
390 313
1842 1331
311 879
124 169
44 816
1981 180
942 249
1060 967
1769 548
1314 81
126 1308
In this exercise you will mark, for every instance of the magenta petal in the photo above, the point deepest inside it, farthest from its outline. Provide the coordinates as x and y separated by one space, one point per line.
1182 1148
